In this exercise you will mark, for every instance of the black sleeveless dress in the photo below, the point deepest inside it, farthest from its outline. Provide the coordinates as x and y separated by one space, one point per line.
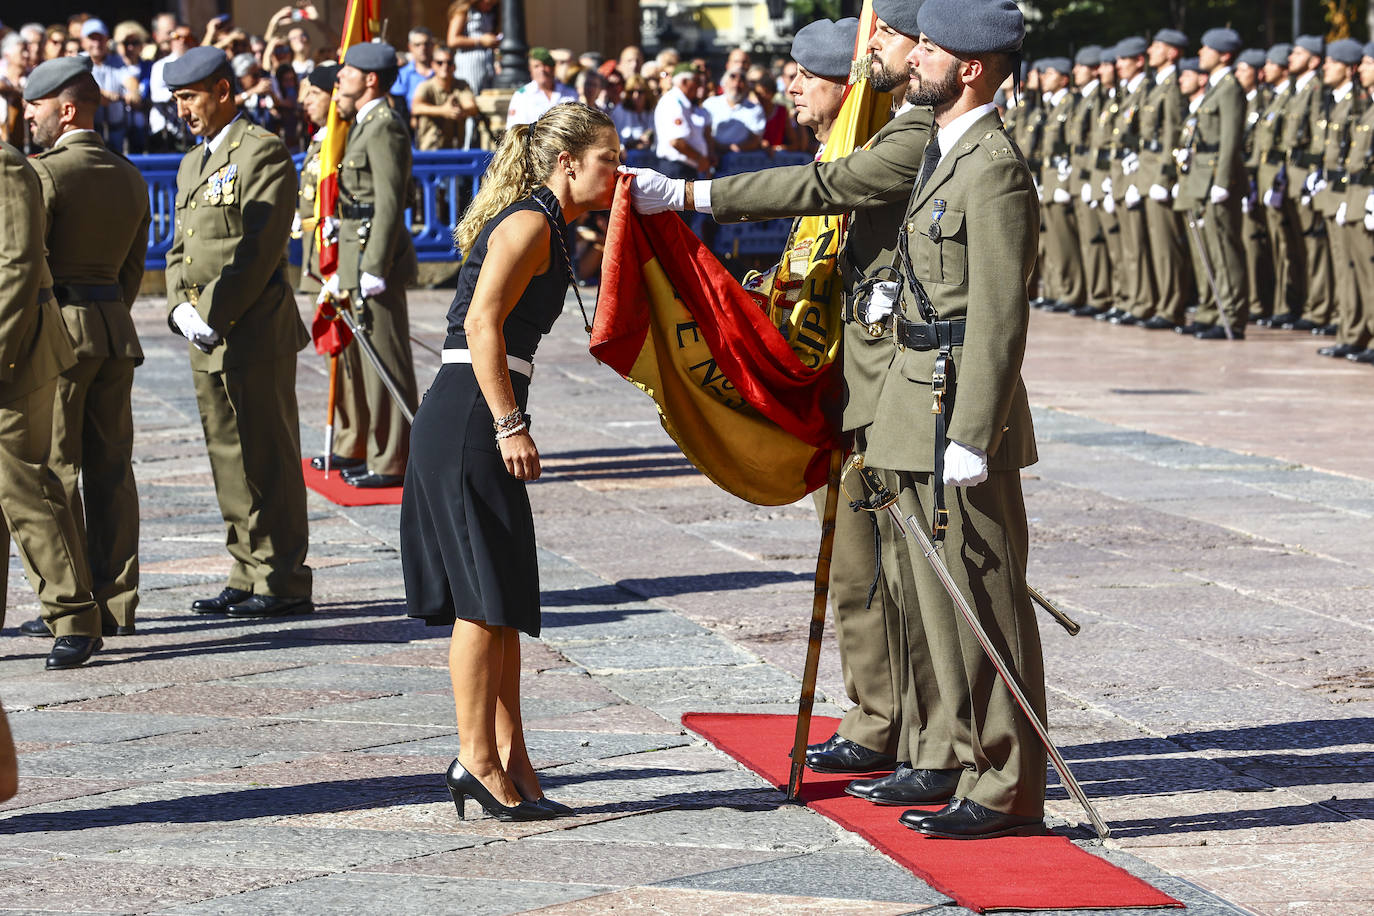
467 533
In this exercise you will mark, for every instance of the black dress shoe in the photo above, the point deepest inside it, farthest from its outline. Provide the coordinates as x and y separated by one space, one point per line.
1088 311
962 819
1217 332
826 745
270 606
370 481
1159 323
356 470
1299 324
35 627
848 757
72 652
1109 314
557 809
115 629
462 785
336 463
1277 321
220 603
1125 319
1191 328
1337 351
1040 302
1324 330
1364 356
907 786
1061 306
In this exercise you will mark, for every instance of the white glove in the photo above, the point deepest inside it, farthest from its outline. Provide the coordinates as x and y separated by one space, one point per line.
1341 214
1305 201
1219 195
1087 194
296 226
1159 193
1245 204
964 466
1314 183
1065 170
1132 197
1369 212
652 192
193 327
329 228
1109 204
1273 199
331 286
370 286
1062 197
1129 163
1107 187
1174 192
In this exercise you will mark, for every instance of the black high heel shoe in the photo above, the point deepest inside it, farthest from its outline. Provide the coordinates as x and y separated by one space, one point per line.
463 785
555 809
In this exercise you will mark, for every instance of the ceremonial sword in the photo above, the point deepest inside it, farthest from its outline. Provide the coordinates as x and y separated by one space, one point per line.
345 311
1211 277
885 499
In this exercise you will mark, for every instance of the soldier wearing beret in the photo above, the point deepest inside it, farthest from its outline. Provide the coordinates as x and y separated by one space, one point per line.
971 230
96 255
1280 217
1101 202
824 52
1359 221
228 295
34 351
1304 142
1092 232
377 253
1128 187
1254 234
872 184
1061 274
1329 191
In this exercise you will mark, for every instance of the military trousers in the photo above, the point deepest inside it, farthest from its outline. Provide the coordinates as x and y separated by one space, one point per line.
1360 243
957 713
869 632
252 434
1170 260
1136 276
1093 255
385 429
1225 255
350 404
1289 258
93 441
1062 273
39 518
1319 307
1259 262
1111 228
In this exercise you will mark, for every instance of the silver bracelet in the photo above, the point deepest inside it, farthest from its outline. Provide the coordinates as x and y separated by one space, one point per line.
515 418
513 431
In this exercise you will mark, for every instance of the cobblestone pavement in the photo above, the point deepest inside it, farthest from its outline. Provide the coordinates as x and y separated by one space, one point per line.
1216 705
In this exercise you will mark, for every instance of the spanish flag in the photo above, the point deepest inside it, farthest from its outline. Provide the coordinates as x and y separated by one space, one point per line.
361 22
757 411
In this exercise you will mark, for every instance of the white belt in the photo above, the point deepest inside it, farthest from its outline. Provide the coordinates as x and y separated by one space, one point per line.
516 364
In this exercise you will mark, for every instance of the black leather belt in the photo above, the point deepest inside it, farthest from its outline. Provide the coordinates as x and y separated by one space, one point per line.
923 335
356 211
44 292
1208 147
87 292
1104 159
1307 160
1275 157
1363 179
1337 176
1153 146
1034 164
1082 150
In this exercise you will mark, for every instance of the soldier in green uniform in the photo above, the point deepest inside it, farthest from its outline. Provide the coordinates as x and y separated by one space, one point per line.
971 245
1092 234
1216 175
1254 231
1102 203
350 406
1161 120
1359 218
1192 83
34 350
96 256
1289 257
228 295
873 184
1128 197
1029 138
1061 272
1329 190
1304 142
376 253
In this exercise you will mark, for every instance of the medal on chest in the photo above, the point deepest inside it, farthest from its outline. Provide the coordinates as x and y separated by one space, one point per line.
934 232
219 187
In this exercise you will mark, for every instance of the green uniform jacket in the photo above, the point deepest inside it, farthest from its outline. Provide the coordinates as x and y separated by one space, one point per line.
1268 133
977 270
1080 138
874 184
228 255
375 171
1337 128
1103 133
1126 136
1360 162
1302 139
305 209
1218 154
1161 119
95 245
1256 104
34 346
1055 173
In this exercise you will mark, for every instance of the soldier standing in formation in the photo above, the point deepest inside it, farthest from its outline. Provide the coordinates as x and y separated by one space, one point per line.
96 255
228 295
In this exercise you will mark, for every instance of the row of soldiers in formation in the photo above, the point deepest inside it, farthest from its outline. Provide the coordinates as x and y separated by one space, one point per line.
1201 194
69 272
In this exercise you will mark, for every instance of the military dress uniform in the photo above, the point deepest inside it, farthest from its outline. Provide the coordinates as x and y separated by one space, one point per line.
1100 141
1137 278
1254 235
1287 253
1304 142
1347 105
374 238
34 351
1358 333
1188 202
1062 271
234 206
1092 233
96 255
1161 120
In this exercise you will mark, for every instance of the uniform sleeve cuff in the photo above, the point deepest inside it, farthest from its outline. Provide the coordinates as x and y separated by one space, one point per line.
701 196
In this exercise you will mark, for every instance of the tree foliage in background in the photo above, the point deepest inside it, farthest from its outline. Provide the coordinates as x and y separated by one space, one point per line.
807 11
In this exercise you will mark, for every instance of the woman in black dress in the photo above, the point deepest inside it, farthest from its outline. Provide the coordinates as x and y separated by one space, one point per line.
467 534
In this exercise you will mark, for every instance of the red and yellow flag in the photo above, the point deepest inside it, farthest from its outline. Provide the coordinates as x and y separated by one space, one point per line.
361 22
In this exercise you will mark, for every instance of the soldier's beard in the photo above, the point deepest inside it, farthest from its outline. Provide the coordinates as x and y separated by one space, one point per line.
887 79
932 93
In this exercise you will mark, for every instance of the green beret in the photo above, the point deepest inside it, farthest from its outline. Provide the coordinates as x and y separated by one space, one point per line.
542 55
50 76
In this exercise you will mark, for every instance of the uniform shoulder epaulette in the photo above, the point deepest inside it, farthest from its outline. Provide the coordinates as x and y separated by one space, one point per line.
997 144
50 151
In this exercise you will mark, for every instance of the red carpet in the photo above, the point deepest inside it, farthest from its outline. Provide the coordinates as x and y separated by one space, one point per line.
1007 873
336 491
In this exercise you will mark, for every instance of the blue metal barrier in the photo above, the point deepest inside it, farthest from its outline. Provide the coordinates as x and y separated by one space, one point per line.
446 180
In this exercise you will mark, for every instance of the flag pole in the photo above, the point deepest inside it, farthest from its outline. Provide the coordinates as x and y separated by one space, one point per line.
813 645
329 417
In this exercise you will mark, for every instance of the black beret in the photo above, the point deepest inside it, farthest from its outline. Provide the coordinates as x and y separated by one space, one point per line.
1310 43
1278 54
1190 65
50 76
1346 51
1223 41
1088 56
324 76
1172 37
1134 46
199 63
971 27
826 47
1057 64
900 14
371 57
1253 57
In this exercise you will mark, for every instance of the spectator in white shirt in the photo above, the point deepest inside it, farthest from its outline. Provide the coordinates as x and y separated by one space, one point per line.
736 119
683 143
541 93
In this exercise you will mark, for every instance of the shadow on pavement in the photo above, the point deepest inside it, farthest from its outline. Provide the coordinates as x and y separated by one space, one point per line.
629 591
